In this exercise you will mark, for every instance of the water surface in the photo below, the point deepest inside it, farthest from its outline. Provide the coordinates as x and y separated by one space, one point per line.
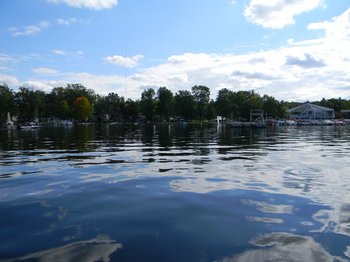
175 192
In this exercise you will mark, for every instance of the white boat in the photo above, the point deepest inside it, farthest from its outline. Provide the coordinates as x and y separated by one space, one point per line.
327 122
338 122
30 125
290 122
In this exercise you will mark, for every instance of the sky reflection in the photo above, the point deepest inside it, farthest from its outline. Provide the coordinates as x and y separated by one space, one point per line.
284 247
96 249
288 187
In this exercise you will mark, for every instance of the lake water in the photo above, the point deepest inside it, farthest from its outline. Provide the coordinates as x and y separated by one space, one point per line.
175 193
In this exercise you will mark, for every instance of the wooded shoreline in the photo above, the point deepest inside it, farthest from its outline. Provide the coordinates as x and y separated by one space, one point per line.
77 103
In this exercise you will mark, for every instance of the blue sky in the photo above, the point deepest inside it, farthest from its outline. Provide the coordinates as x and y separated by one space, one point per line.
293 50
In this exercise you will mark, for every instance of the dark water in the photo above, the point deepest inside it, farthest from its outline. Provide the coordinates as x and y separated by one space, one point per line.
175 193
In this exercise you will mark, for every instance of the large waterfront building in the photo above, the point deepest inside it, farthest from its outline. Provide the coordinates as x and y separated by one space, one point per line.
311 111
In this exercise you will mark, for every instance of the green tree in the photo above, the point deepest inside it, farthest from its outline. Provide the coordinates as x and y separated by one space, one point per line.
73 91
254 101
148 104
337 105
224 103
201 95
185 105
239 100
130 110
211 112
63 110
101 106
165 103
115 105
30 103
7 102
244 101
53 99
272 107
82 109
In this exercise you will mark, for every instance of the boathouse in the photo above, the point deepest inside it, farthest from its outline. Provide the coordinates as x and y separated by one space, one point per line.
311 111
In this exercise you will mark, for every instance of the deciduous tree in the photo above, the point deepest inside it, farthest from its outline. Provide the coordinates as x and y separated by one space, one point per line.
63 110
82 109
130 110
6 102
74 91
201 95
272 107
30 103
224 103
165 103
148 104
185 105
115 105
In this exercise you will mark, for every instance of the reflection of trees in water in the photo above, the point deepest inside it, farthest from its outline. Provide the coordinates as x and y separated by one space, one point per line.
165 135
8 139
187 136
240 138
82 134
196 137
27 139
148 134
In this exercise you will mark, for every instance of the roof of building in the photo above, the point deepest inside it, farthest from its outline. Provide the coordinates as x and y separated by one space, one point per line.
309 106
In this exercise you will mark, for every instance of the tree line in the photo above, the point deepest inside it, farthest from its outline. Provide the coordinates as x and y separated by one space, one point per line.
79 103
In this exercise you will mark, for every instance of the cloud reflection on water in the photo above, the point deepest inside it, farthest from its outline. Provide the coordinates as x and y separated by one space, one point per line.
284 247
269 208
96 249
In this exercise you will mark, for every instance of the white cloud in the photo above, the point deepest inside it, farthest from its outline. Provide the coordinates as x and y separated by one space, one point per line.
123 61
31 30
277 13
339 27
45 85
61 21
12 29
299 72
44 71
255 75
308 61
60 52
6 58
70 21
10 80
69 54
90 4
102 84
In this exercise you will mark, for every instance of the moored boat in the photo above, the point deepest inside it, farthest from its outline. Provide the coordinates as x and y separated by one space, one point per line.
30 125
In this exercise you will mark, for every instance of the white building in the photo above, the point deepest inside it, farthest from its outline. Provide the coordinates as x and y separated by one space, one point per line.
311 111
